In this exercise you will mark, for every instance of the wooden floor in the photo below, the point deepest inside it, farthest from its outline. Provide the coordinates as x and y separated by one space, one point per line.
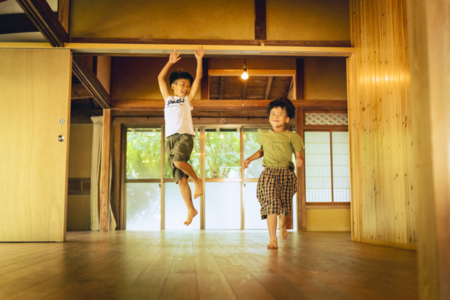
205 265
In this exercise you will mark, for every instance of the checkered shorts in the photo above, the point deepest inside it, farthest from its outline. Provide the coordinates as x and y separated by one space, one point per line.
276 186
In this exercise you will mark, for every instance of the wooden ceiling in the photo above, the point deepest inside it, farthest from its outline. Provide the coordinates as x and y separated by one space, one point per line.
254 88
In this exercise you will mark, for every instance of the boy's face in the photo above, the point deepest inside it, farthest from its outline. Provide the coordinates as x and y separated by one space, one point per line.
181 87
278 117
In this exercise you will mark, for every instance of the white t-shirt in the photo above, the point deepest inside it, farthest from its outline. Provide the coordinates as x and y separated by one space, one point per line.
177 114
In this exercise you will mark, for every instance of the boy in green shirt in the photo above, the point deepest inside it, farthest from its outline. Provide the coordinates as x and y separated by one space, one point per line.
277 183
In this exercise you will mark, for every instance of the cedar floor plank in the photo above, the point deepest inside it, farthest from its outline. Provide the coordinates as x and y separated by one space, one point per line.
206 265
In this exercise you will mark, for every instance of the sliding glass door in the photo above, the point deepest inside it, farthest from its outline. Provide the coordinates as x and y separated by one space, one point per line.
153 199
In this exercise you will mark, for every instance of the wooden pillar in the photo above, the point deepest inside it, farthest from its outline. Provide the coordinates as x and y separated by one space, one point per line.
299 79
429 46
116 188
105 171
260 20
301 196
204 85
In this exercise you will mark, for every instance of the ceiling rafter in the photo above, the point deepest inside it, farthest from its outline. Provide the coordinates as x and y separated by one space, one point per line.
221 86
268 87
43 17
91 82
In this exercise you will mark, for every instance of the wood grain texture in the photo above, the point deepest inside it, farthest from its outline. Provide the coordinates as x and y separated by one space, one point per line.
380 125
206 265
105 170
429 45
35 95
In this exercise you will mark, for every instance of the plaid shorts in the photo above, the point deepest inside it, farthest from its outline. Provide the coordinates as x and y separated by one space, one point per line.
276 186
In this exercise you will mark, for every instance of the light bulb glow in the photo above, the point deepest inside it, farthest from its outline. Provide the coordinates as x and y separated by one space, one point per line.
244 75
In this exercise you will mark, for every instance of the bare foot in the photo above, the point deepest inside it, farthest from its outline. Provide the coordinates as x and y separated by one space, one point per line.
191 214
284 232
273 244
198 188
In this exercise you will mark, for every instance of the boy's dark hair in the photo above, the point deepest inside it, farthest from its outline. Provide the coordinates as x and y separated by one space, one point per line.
180 74
285 104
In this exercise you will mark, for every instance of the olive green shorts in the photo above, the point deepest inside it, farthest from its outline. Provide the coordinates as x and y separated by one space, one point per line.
179 148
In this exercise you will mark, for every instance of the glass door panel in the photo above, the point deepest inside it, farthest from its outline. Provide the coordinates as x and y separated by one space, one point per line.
341 167
143 206
251 145
175 209
223 205
143 153
252 208
222 153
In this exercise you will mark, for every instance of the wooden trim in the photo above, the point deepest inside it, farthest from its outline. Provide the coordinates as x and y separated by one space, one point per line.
301 198
251 72
204 86
331 167
158 121
91 82
161 180
42 16
299 79
64 13
241 152
220 105
123 155
15 23
286 43
260 20
325 127
136 49
336 205
105 171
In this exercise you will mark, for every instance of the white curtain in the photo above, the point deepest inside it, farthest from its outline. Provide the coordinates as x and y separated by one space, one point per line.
95 176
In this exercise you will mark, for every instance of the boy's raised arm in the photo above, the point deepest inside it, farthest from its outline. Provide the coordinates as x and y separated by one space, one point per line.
199 74
174 57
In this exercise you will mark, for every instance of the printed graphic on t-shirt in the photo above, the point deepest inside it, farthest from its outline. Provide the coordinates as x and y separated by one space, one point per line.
173 102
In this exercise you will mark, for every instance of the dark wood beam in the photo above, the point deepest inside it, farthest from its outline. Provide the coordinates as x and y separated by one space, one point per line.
299 79
221 86
260 20
204 85
80 92
268 88
16 23
229 105
42 16
63 13
244 89
318 43
91 82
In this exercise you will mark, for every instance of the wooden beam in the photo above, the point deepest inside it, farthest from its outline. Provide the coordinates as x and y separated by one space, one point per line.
16 23
196 42
91 82
116 186
105 171
42 16
80 92
260 20
156 121
244 89
299 79
220 49
204 86
301 192
221 87
218 105
251 72
64 13
268 87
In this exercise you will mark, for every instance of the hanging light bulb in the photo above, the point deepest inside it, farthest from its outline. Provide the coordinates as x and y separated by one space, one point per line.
245 73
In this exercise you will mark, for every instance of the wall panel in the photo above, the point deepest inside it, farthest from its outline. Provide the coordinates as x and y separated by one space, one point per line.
383 203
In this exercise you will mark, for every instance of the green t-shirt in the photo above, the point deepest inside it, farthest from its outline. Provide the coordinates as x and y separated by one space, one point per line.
278 147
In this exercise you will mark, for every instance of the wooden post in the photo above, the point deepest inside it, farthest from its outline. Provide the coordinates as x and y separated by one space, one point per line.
299 79
105 171
204 85
301 197
116 188
260 20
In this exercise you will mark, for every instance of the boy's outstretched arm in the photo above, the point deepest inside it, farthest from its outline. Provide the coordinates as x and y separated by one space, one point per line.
258 154
174 57
298 159
199 74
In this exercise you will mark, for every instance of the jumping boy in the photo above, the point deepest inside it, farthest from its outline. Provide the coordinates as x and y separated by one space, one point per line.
179 129
277 183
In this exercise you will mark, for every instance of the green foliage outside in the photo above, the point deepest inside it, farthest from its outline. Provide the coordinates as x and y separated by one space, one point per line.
143 153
